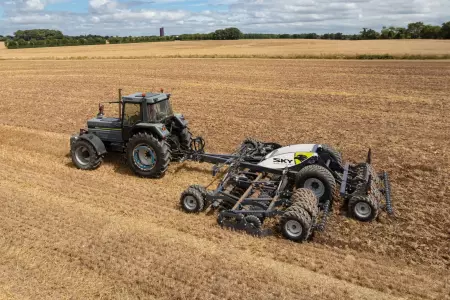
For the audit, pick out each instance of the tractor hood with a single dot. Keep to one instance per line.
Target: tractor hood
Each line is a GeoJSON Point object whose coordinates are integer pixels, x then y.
{"type": "Point", "coordinates": [289, 156]}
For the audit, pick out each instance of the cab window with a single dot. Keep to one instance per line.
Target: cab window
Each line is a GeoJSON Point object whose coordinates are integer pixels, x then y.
{"type": "Point", "coordinates": [131, 113]}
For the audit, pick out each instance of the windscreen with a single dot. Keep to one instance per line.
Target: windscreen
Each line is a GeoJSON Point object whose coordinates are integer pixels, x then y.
{"type": "Point", "coordinates": [159, 111]}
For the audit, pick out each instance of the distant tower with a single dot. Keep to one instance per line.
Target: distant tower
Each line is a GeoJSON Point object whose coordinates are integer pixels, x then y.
{"type": "Point", "coordinates": [161, 31]}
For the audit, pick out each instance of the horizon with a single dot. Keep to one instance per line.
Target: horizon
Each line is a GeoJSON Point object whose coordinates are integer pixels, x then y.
{"type": "Point", "coordinates": [144, 18]}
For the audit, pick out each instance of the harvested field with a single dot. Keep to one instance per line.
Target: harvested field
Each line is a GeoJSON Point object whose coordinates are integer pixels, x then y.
{"type": "Point", "coordinates": [241, 48]}
{"type": "Point", "coordinates": [66, 233]}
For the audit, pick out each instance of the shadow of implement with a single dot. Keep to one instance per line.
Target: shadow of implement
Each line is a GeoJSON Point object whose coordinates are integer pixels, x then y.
{"type": "Point", "coordinates": [177, 167]}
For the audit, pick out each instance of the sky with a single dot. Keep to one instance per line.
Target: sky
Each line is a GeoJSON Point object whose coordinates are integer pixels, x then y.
{"type": "Point", "coordinates": [145, 17]}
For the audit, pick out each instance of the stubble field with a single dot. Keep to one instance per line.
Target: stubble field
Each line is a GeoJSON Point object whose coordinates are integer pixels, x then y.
{"type": "Point", "coordinates": [65, 233]}
{"type": "Point", "coordinates": [282, 48]}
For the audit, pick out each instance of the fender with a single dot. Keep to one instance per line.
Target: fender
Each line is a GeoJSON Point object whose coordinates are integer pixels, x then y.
{"type": "Point", "coordinates": [91, 138]}
{"type": "Point", "coordinates": [158, 130]}
{"type": "Point", "coordinates": [181, 121]}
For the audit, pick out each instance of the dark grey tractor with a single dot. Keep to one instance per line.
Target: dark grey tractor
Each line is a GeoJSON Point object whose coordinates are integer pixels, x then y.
{"type": "Point", "coordinates": [147, 131]}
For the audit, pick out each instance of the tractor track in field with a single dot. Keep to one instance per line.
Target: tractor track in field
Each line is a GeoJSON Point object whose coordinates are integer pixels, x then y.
{"type": "Point", "coordinates": [108, 234]}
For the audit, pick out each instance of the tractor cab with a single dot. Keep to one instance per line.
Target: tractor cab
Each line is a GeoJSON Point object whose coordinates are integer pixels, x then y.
{"type": "Point", "coordinates": [150, 110]}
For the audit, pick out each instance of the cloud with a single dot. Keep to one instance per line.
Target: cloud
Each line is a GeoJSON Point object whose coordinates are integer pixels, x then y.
{"type": "Point", "coordinates": [144, 17]}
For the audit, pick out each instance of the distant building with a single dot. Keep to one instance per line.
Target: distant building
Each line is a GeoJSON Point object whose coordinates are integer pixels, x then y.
{"type": "Point", "coordinates": [161, 31]}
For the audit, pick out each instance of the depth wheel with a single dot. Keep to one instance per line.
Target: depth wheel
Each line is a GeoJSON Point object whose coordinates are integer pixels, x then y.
{"type": "Point", "coordinates": [363, 208]}
{"type": "Point", "coordinates": [192, 200]}
{"type": "Point", "coordinates": [296, 224]}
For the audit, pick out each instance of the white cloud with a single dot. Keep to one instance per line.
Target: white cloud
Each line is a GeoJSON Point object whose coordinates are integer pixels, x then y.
{"type": "Point", "coordinates": [273, 16]}
{"type": "Point", "coordinates": [34, 4]}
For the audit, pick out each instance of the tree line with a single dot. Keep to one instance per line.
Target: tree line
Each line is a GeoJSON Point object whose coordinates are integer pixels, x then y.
{"type": "Point", "coordinates": [36, 38]}
{"type": "Point", "coordinates": [54, 38]}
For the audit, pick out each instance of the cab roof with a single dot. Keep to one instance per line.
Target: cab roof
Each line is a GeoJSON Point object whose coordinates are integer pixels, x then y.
{"type": "Point", "coordinates": [148, 97]}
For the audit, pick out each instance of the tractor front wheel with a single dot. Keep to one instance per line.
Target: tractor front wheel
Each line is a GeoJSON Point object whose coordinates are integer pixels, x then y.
{"type": "Point", "coordinates": [147, 156]}
{"type": "Point", "coordinates": [84, 155]}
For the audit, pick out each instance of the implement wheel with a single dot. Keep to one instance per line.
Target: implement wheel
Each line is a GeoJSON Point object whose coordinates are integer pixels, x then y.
{"type": "Point", "coordinates": [363, 208]}
{"type": "Point", "coordinates": [192, 200]}
{"type": "Point", "coordinates": [333, 153]}
{"type": "Point", "coordinates": [296, 224]}
{"type": "Point", "coordinates": [318, 179]}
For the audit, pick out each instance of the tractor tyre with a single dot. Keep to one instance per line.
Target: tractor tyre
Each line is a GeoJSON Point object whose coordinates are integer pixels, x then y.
{"type": "Point", "coordinates": [318, 179]}
{"type": "Point", "coordinates": [147, 156]}
{"type": "Point", "coordinates": [253, 221]}
{"type": "Point", "coordinates": [192, 200]}
{"type": "Point", "coordinates": [185, 138]}
{"type": "Point", "coordinates": [333, 153]}
{"type": "Point", "coordinates": [363, 208]}
{"type": "Point", "coordinates": [84, 155]}
{"type": "Point", "coordinates": [296, 224]}
{"type": "Point", "coordinates": [307, 200]}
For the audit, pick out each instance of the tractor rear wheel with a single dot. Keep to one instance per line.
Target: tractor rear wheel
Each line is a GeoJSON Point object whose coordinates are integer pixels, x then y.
{"type": "Point", "coordinates": [318, 179]}
{"type": "Point", "coordinates": [185, 139]}
{"type": "Point", "coordinates": [147, 156]}
{"type": "Point", "coordinates": [84, 155]}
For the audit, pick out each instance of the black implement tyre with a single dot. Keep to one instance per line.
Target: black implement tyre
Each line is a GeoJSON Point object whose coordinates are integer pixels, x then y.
{"type": "Point", "coordinates": [307, 200]}
{"type": "Point", "coordinates": [363, 208]}
{"type": "Point", "coordinates": [333, 153]}
{"type": "Point", "coordinates": [296, 225]}
{"type": "Point", "coordinates": [192, 200]}
{"type": "Point", "coordinates": [318, 179]}
{"type": "Point", "coordinates": [253, 221]}
{"type": "Point", "coordinates": [147, 156]}
{"type": "Point", "coordinates": [84, 155]}
{"type": "Point", "coordinates": [251, 146]}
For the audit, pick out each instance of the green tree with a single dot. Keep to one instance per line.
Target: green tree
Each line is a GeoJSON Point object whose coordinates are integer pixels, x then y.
{"type": "Point", "coordinates": [339, 36]}
{"type": "Point", "coordinates": [415, 29]}
{"type": "Point", "coordinates": [369, 34]}
{"type": "Point", "coordinates": [231, 33]}
{"type": "Point", "coordinates": [431, 32]}
{"type": "Point", "coordinates": [445, 30]}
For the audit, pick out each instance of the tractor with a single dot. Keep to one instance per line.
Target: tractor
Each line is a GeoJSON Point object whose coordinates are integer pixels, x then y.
{"type": "Point", "coordinates": [146, 130]}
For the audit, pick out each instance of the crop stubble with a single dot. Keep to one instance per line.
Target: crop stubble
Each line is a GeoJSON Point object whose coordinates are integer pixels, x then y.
{"type": "Point", "coordinates": [281, 48]}
{"type": "Point", "coordinates": [109, 234]}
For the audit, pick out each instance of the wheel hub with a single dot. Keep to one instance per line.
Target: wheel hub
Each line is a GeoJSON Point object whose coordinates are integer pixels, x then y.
{"type": "Point", "coordinates": [293, 228]}
{"type": "Point", "coordinates": [144, 157]}
{"type": "Point", "coordinates": [316, 186]}
{"type": "Point", "coordinates": [363, 210]}
{"type": "Point", "coordinates": [189, 202]}
{"type": "Point", "coordinates": [82, 155]}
